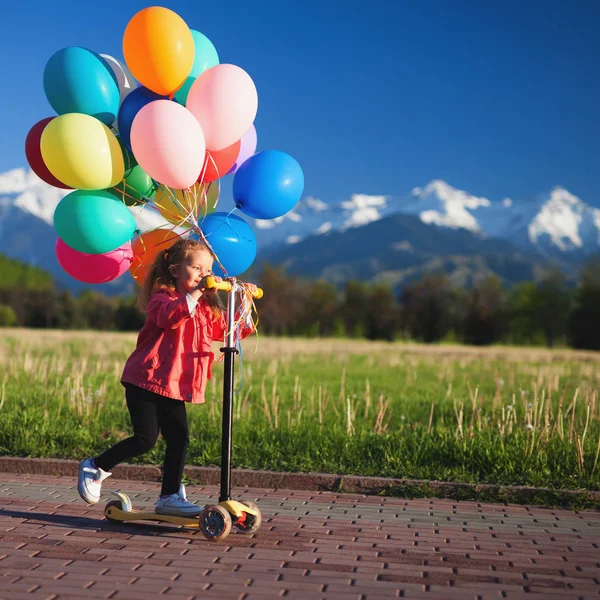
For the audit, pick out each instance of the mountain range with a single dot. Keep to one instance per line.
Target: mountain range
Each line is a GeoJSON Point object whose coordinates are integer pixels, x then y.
{"type": "Point", "coordinates": [375, 238]}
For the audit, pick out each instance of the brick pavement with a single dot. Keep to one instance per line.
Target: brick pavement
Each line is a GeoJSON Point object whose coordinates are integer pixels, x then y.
{"type": "Point", "coordinates": [311, 545]}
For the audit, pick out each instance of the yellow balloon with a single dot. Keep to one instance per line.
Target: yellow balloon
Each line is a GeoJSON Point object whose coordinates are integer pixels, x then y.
{"type": "Point", "coordinates": [177, 206]}
{"type": "Point", "coordinates": [82, 152]}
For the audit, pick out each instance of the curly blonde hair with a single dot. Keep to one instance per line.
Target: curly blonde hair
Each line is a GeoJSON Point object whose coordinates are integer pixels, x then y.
{"type": "Point", "coordinates": [160, 276]}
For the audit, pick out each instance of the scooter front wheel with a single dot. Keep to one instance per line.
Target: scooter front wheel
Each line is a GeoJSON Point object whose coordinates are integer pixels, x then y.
{"type": "Point", "coordinates": [215, 523]}
{"type": "Point", "coordinates": [250, 523]}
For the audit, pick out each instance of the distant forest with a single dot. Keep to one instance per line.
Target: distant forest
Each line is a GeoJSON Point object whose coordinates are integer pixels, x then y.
{"type": "Point", "coordinates": [546, 312]}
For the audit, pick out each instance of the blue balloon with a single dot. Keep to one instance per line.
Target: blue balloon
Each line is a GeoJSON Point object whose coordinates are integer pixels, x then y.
{"type": "Point", "coordinates": [77, 80]}
{"type": "Point", "coordinates": [232, 240]}
{"type": "Point", "coordinates": [131, 107]}
{"type": "Point", "coordinates": [268, 185]}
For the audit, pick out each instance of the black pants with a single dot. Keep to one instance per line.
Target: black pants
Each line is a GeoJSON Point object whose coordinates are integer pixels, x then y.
{"type": "Point", "coordinates": [151, 413]}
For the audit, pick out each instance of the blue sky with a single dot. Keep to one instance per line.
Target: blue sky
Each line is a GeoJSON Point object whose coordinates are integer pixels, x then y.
{"type": "Point", "coordinates": [500, 99]}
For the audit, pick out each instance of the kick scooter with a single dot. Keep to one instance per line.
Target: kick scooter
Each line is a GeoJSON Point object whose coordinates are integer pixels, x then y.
{"type": "Point", "coordinates": [215, 521]}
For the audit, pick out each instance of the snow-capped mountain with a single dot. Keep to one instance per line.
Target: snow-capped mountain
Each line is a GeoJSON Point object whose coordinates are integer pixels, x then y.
{"type": "Point", "coordinates": [27, 232]}
{"type": "Point", "coordinates": [23, 189]}
{"type": "Point", "coordinates": [556, 223]}
{"type": "Point", "coordinates": [315, 217]}
{"type": "Point", "coordinates": [566, 222]}
{"type": "Point", "coordinates": [438, 203]}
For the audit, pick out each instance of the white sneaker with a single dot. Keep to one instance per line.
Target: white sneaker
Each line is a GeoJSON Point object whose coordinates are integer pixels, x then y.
{"type": "Point", "coordinates": [89, 482]}
{"type": "Point", "coordinates": [176, 505]}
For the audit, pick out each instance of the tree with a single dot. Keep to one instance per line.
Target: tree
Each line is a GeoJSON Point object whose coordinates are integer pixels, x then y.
{"type": "Point", "coordinates": [282, 301]}
{"type": "Point", "coordinates": [383, 316]}
{"type": "Point", "coordinates": [67, 314]}
{"type": "Point", "coordinates": [485, 322]}
{"type": "Point", "coordinates": [97, 310]}
{"type": "Point", "coordinates": [15, 274]}
{"type": "Point", "coordinates": [8, 318]}
{"type": "Point", "coordinates": [128, 317]}
{"type": "Point", "coordinates": [584, 323]}
{"type": "Point", "coordinates": [552, 302]}
{"type": "Point", "coordinates": [520, 308]}
{"type": "Point", "coordinates": [353, 309]}
{"type": "Point", "coordinates": [319, 309]}
{"type": "Point", "coordinates": [426, 313]}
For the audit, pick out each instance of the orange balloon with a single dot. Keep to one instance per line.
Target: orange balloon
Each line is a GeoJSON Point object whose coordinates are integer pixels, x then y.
{"type": "Point", "coordinates": [219, 162]}
{"type": "Point", "coordinates": [146, 248]}
{"type": "Point", "coordinates": [159, 49]}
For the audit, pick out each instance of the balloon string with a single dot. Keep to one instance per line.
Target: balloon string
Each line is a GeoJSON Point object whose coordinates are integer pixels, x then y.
{"type": "Point", "coordinates": [188, 213]}
{"type": "Point", "coordinates": [189, 218]}
{"type": "Point", "coordinates": [145, 249]}
{"type": "Point", "coordinates": [204, 169]}
{"type": "Point", "coordinates": [201, 235]}
{"type": "Point", "coordinates": [248, 313]}
{"type": "Point", "coordinates": [247, 309]}
{"type": "Point", "coordinates": [181, 213]}
{"type": "Point", "coordinates": [122, 193]}
{"type": "Point", "coordinates": [208, 190]}
{"type": "Point", "coordinates": [129, 163]}
{"type": "Point", "coordinates": [214, 164]}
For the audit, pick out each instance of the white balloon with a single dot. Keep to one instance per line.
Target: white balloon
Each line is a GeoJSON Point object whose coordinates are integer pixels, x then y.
{"type": "Point", "coordinates": [126, 81]}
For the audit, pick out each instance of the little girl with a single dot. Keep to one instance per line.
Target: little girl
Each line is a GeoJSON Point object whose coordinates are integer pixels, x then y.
{"type": "Point", "coordinates": [169, 367]}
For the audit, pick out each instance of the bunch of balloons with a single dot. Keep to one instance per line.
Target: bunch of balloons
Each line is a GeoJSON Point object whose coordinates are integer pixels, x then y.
{"type": "Point", "coordinates": [158, 131]}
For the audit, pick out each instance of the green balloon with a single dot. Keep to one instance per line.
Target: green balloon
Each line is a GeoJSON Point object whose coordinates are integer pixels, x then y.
{"type": "Point", "coordinates": [94, 222]}
{"type": "Point", "coordinates": [138, 186]}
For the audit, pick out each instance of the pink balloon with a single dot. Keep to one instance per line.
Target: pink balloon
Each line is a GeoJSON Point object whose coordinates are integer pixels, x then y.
{"type": "Point", "coordinates": [225, 101]}
{"type": "Point", "coordinates": [247, 148]}
{"type": "Point", "coordinates": [168, 143]}
{"type": "Point", "coordinates": [94, 268]}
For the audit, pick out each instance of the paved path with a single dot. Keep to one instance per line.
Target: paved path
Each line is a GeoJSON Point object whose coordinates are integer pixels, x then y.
{"type": "Point", "coordinates": [311, 545]}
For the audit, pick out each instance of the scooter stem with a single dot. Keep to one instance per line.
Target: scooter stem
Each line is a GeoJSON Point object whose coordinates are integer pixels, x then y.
{"type": "Point", "coordinates": [228, 381]}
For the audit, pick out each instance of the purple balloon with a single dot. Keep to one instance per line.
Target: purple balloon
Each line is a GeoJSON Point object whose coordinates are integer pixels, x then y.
{"type": "Point", "coordinates": [247, 149]}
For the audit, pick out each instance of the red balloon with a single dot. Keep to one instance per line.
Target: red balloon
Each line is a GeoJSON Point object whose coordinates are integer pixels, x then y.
{"type": "Point", "coordinates": [219, 162]}
{"type": "Point", "coordinates": [34, 154]}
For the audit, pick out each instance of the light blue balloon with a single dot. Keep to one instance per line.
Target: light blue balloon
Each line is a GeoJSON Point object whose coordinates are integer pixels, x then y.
{"type": "Point", "coordinates": [94, 222]}
{"type": "Point", "coordinates": [205, 57]}
{"type": "Point", "coordinates": [232, 240]}
{"type": "Point", "coordinates": [79, 80]}
{"type": "Point", "coordinates": [268, 185]}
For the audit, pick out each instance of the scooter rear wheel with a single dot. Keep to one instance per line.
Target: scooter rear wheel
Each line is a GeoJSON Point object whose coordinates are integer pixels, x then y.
{"type": "Point", "coordinates": [107, 510]}
{"type": "Point", "coordinates": [215, 523]}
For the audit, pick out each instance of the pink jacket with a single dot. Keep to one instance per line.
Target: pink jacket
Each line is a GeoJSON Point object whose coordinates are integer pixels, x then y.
{"type": "Point", "coordinates": [173, 355]}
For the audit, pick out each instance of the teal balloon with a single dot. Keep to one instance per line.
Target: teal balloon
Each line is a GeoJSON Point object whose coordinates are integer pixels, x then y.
{"type": "Point", "coordinates": [77, 80]}
{"type": "Point", "coordinates": [94, 222]}
{"type": "Point", "coordinates": [205, 57]}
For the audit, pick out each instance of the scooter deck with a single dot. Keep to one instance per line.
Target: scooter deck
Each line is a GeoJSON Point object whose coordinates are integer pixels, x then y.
{"type": "Point", "coordinates": [116, 514]}
{"type": "Point", "coordinates": [122, 511]}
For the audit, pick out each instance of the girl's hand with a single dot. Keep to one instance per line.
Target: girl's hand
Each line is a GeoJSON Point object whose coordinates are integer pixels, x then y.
{"type": "Point", "coordinates": [202, 284]}
{"type": "Point", "coordinates": [252, 288]}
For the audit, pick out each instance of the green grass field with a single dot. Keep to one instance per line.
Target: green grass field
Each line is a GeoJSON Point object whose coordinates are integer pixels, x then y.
{"type": "Point", "coordinates": [495, 415]}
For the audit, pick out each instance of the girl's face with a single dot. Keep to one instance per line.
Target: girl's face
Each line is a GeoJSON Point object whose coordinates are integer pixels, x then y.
{"type": "Point", "coordinates": [190, 272]}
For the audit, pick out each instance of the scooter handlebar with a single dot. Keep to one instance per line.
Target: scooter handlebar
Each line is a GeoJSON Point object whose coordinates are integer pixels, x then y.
{"type": "Point", "coordinates": [226, 286]}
